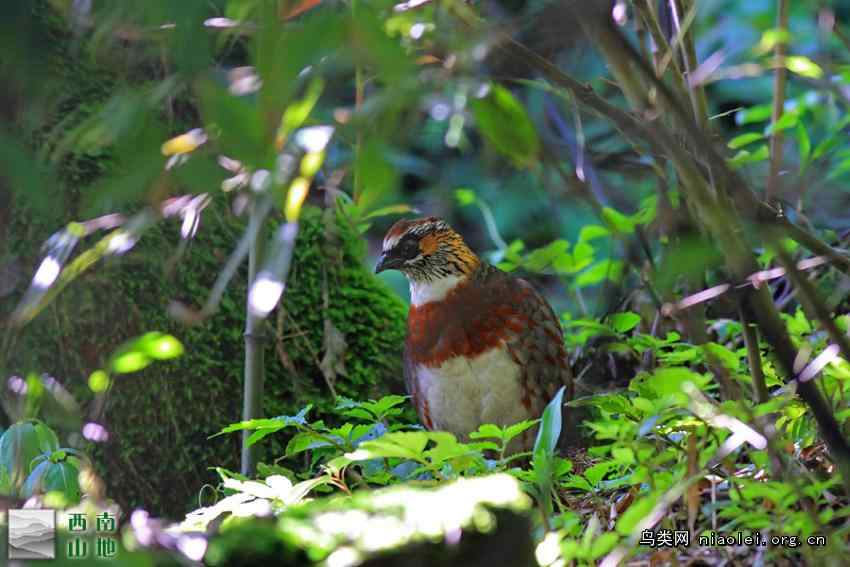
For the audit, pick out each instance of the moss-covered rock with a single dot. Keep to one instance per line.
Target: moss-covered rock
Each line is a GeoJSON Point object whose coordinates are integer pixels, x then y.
{"type": "Point", "coordinates": [160, 419]}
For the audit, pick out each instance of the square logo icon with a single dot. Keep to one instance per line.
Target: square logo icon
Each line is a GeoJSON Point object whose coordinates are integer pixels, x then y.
{"type": "Point", "coordinates": [32, 534]}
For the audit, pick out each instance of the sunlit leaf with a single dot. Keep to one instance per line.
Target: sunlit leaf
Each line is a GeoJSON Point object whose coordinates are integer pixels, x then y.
{"type": "Point", "coordinates": [786, 121]}
{"type": "Point", "coordinates": [624, 322]}
{"type": "Point", "coordinates": [550, 425]}
{"type": "Point", "coordinates": [131, 361]}
{"type": "Point", "coordinates": [184, 143]}
{"type": "Point", "coordinates": [160, 346]}
{"type": "Point", "coordinates": [98, 381]}
{"type": "Point", "coordinates": [754, 114]}
{"type": "Point", "coordinates": [465, 197]}
{"type": "Point", "coordinates": [803, 66]}
{"type": "Point", "coordinates": [744, 140]}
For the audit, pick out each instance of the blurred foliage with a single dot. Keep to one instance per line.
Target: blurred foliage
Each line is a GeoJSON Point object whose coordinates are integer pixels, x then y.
{"type": "Point", "coordinates": [171, 408]}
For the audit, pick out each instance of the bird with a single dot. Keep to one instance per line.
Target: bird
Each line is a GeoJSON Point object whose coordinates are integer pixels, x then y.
{"type": "Point", "coordinates": [482, 346]}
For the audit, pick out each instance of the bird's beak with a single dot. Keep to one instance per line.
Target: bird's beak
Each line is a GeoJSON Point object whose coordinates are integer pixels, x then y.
{"type": "Point", "coordinates": [386, 262]}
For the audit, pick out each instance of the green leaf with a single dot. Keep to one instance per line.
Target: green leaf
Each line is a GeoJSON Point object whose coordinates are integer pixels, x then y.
{"type": "Point", "coordinates": [786, 121]}
{"type": "Point", "coordinates": [297, 112]}
{"type": "Point", "coordinates": [598, 272]}
{"type": "Point", "coordinates": [518, 428]}
{"type": "Point", "coordinates": [727, 358]}
{"type": "Point", "coordinates": [541, 258]}
{"type": "Point", "coordinates": [376, 174]}
{"type": "Point", "coordinates": [803, 66]}
{"type": "Point", "coordinates": [401, 444]}
{"type": "Point", "coordinates": [634, 514]}
{"type": "Point", "coordinates": [505, 124]}
{"type": "Point", "coordinates": [274, 423]}
{"type": "Point", "coordinates": [603, 544]}
{"type": "Point", "coordinates": [644, 405]}
{"type": "Point", "coordinates": [465, 197]}
{"type": "Point", "coordinates": [623, 455]}
{"type": "Point", "coordinates": [624, 322]}
{"type": "Point", "coordinates": [754, 114]}
{"type": "Point", "coordinates": [666, 381]}
{"type": "Point", "coordinates": [130, 361]}
{"type": "Point", "coordinates": [597, 472]}
{"type": "Point", "coordinates": [550, 425]}
{"type": "Point", "coordinates": [399, 209]}
{"type": "Point", "coordinates": [618, 220]}
{"type": "Point", "coordinates": [744, 140]}
{"type": "Point", "coordinates": [805, 146]}
{"type": "Point", "coordinates": [236, 124]}
{"type": "Point", "coordinates": [488, 431]}
{"type": "Point", "coordinates": [159, 346]}
{"type": "Point", "coordinates": [591, 232]}
{"type": "Point", "coordinates": [744, 157]}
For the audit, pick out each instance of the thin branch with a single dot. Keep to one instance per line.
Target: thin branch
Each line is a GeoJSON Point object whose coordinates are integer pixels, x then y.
{"type": "Point", "coordinates": [751, 341]}
{"type": "Point", "coordinates": [779, 77]}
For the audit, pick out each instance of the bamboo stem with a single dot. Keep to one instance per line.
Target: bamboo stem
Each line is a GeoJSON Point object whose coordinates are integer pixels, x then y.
{"type": "Point", "coordinates": [779, 76]}
{"type": "Point", "coordinates": [252, 404]}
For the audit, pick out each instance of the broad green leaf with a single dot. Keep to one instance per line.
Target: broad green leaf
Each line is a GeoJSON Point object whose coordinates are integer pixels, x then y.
{"type": "Point", "coordinates": [159, 346]}
{"type": "Point", "coordinates": [377, 176]}
{"type": "Point", "coordinates": [591, 232]}
{"type": "Point", "coordinates": [541, 258]}
{"type": "Point", "coordinates": [618, 220]}
{"type": "Point", "coordinates": [505, 124]}
{"type": "Point", "coordinates": [634, 514]}
{"type": "Point", "coordinates": [771, 38]}
{"type": "Point", "coordinates": [624, 322]}
{"type": "Point", "coordinates": [447, 448]}
{"type": "Point", "coordinates": [596, 273]}
{"type": "Point", "coordinates": [803, 66]}
{"type": "Point", "coordinates": [297, 112]}
{"type": "Point", "coordinates": [786, 121]}
{"type": "Point", "coordinates": [130, 361]}
{"type": "Point", "coordinates": [744, 139]}
{"type": "Point", "coordinates": [603, 544]}
{"type": "Point", "coordinates": [550, 425]}
{"type": "Point", "coordinates": [401, 444]}
{"type": "Point", "coordinates": [518, 428]}
{"type": "Point", "coordinates": [487, 431]}
{"type": "Point", "coordinates": [666, 381]}
{"type": "Point", "coordinates": [236, 125]}
{"type": "Point", "coordinates": [754, 114]}
{"type": "Point", "coordinates": [597, 472]}
{"type": "Point", "coordinates": [729, 359]}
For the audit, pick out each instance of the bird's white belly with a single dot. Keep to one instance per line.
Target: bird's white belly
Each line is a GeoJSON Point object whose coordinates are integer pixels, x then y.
{"type": "Point", "coordinates": [464, 393]}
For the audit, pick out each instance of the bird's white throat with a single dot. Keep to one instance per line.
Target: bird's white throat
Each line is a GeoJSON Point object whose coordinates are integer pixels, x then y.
{"type": "Point", "coordinates": [435, 290]}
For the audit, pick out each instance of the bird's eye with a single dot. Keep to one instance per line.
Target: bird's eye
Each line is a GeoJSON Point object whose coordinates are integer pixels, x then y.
{"type": "Point", "coordinates": [409, 249]}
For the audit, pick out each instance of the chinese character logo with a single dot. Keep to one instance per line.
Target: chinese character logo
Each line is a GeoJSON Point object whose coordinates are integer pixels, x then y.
{"type": "Point", "coordinates": [77, 522]}
{"type": "Point", "coordinates": [106, 522]}
{"type": "Point", "coordinates": [77, 547]}
{"type": "Point", "coordinates": [32, 534]}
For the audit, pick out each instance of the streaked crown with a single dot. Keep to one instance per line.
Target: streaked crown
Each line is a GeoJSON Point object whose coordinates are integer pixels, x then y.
{"type": "Point", "coordinates": [426, 249]}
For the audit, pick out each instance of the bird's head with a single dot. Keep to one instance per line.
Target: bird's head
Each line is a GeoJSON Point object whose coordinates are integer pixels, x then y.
{"type": "Point", "coordinates": [426, 250]}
